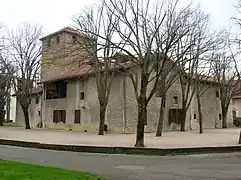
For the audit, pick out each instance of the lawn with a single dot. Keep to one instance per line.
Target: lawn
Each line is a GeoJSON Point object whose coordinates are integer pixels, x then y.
{"type": "Point", "coordinates": [18, 171]}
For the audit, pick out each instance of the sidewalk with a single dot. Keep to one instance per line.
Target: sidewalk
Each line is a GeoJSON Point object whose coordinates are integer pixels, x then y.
{"type": "Point", "coordinates": [210, 138]}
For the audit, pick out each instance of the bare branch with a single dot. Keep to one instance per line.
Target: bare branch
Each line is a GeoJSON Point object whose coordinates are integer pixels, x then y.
{"type": "Point", "coordinates": [22, 52]}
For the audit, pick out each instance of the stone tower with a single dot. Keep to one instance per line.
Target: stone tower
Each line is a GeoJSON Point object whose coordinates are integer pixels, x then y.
{"type": "Point", "coordinates": [62, 51]}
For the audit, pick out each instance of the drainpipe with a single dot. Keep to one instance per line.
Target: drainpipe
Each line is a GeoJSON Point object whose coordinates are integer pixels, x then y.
{"type": "Point", "coordinates": [191, 114]}
{"type": "Point", "coordinates": [8, 101]}
{"type": "Point", "coordinates": [41, 108]}
{"type": "Point", "coordinates": [124, 106]}
{"type": "Point", "coordinates": [216, 110]}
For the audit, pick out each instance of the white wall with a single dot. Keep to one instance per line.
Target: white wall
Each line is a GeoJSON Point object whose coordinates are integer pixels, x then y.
{"type": "Point", "coordinates": [13, 104]}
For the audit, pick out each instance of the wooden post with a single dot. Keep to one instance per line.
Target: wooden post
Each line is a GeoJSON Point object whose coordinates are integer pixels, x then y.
{"type": "Point", "coordinates": [239, 141]}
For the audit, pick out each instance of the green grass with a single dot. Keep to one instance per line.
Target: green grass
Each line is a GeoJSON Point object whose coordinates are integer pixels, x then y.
{"type": "Point", "coordinates": [18, 171]}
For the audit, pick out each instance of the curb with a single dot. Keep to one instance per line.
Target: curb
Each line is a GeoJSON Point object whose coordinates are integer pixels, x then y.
{"type": "Point", "coordinates": [122, 150]}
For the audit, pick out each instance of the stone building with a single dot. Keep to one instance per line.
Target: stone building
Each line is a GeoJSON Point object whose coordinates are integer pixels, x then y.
{"type": "Point", "coordinates": [69, 97]}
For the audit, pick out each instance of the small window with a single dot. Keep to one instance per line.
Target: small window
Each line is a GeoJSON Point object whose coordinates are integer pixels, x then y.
{"type": "Point", "coordinates": [158, 92]}
{"type": "Point", "coordinates": [194, 116]}
{"type": "Point", "coordinates": [37, 100]}
{"type": "Point", "coordinates": [217, 94]}
{"type": "Point", "coordinates": [220, 117]}
{"type": "Point", "coordinates": [49, 43]}
{"type": "Point", "coordinates": [57, 39]}
{"type": "Point", "coordinates": [74, 38]}
{"type": "Point", "coordinates": [82, 96]}
{"type": "Point", "coordinates": [175, 100]}
{"type": "Point", "coordinates": [39, 113]}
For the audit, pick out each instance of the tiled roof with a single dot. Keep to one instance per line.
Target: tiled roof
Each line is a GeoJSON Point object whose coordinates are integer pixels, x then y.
{"type": "Point", "coordinates": [66, 29]}
{"type": "Point", "coordinates": [36, 90]}
{"type": "Point", "coordinates": [237, 92]}
{"type": "Point", "coordinates": [67, 74]}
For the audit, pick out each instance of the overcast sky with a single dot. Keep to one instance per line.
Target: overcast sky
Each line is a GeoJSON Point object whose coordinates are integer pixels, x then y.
{"type": "Point", "coordinates": [55, 14]}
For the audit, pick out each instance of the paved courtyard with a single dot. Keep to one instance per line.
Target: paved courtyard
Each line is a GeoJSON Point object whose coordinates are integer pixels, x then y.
{"type": "Point", "coordinates": [211, 137]}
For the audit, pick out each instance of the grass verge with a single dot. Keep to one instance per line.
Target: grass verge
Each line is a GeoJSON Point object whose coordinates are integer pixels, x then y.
{"type": "Point", "coordinates": [19, 171]}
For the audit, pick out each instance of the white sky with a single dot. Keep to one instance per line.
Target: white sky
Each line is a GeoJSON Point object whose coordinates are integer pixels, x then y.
{"type": "Point", "coordinates": [55, 14]}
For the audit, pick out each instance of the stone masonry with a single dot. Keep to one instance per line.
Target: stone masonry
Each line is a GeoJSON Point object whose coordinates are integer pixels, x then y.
{"type": "Point", "coordinates": [63, 60]}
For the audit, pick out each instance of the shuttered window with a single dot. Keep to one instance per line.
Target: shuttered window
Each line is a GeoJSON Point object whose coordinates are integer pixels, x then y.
{"type": "Point", "coordinates": [77, 116]}
{"type": "Point", "coordinates": [59, 116]}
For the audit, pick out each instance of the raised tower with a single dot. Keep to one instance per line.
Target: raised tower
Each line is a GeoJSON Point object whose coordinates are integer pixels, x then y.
{"type": "Point", "coordinates": [62, 52]}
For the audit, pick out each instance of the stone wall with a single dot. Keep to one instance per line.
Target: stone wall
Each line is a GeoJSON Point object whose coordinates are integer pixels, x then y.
{"type": "Point", "coordinates": [34, 112]}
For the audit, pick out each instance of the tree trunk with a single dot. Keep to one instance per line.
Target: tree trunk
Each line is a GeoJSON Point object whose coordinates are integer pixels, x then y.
{"type": "Point", "coordinates": [200, 116]}
{"type": "Point", "coordinates": [142, 111]}
{"type": "Point", "coordinates": [224, 117]}
{"type": "Point", "coordinates": [161, 117]}
{"type": "Point", "coordinates": [26, 117]}
{"type": "Point", "coordinates": [124, 106]}
{"type": "Point", "coordinates": [8, 101]}
{"type": "Point", "coordinates": [2, 115]}
{"type": "Point", "coordinates": [140, 126]}
{"type": "Point", "coordinates": [183, 119]}
{"type": "Point", "coordinates": [102, 119]}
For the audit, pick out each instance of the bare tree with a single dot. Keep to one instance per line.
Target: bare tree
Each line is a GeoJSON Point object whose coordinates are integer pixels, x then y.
{"type": "Point", "coordinates": [3, 93]}
{"type": "Point", "coordinates": [207, 43]}
{"type": "Point", "coordinates": [203, 43]}
{"type": "Point", "coordinates": [23, 50]}
{"type": "Point", "coordinates": [176, 30]}
{"type": "Point", "coordinates": [148, 42]}
{"type": "Point", "coordinates": [203, 80]}
{"type": "Point", "coordinates": [5, 82]}
{"type": "Point", "coordinates": [98, 26]}
{"type": "Point", "coordinates": [234, 41]}
{"type": "Point", "coordinates": [227, 78]}
{"type": "Point", "coordinates": [238, 19]}
{"type": "Point", "coordinates": [1, 38]}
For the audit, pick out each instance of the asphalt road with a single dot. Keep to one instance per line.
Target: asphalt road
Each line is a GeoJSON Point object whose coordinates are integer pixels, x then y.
{"type": "Point", "coordinates": [126, 167]}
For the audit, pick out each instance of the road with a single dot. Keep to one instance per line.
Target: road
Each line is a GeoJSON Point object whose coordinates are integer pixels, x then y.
{"type": "Point", "coordinates": [128, 167]}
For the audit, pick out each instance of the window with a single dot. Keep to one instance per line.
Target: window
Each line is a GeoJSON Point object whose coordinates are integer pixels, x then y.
{"type": "Point", "coordinates": [220, 117]}
{"type": "Point", "coordinates": [77, 116]}
{"type": "Point", "coordinates": [20, 84]}
{"type": "Point", "coordinates": [194, 116]}
{"type": "Point", "coordinates": [82, 96]}
{"type": "Point", "coordinates": [217, 94]}
{"type": "Point", "coordinates": [49, 43]}
{"type": "Point", "coordinates": [57, 39]}
{"type": "Point", "coordinates": [59, 116]}
{"type": "Point", "coordinates": [158, 92]}
{"type": "Point", "coordinates": [56, 90]}
{"type": "Point", "coordinates": [74, 38]}
{"type": "Point", "coordinates": [175, 100]}
{"type": "Point", "coordinates": [39, 113]}
{"type": "Point", "coordinates": [37, 100]}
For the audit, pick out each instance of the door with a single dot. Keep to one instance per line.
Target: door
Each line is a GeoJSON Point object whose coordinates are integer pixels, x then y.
{"type": "Point", "coordinates": [63, 116]}
{"type": "Point", "coordinates": [175, 116]}
{"type": "Point", "coordinates": [55, 116]}
{"type": "Point", "coordinates": [77, 116]}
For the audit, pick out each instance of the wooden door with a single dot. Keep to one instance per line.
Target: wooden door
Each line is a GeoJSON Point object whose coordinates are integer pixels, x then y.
{"type": "Point", "coordinates": [63, 116]}
{"type": "Point", "coordinates": [77, 116]}
{"type": "Point", "coordinates": [55, 116]}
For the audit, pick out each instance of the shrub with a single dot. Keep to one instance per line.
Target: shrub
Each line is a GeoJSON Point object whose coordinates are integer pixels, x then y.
{"type": "Point", "coordinates": [237, 122]}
